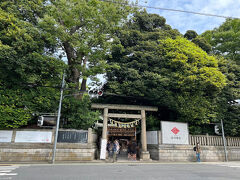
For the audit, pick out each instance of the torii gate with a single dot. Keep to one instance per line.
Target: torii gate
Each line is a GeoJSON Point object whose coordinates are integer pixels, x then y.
{"type": "Point", "coordinates": [144, 153]}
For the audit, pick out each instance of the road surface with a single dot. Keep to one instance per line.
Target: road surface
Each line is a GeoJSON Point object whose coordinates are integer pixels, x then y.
{"type": "Point", "coordinates": [122, 171]}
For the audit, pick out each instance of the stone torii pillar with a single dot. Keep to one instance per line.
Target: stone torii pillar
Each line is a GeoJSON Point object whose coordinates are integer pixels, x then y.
{"type": "Point", "coordinates": [105, 123]}
{"type": "Point", "coordinates": [144, 154]}
{"type": "Point", "coordinates": [104, 134]}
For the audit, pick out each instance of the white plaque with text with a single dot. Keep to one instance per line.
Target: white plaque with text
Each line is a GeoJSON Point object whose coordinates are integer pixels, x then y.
{"type": "Point", "coordinates": [6, 136]}
{"type": "Point", "coordinates": [174, 132]}
{"type": "Point", "coordinates": [33, 137]}
{"type": "Point", "coordinates": [103, 149]}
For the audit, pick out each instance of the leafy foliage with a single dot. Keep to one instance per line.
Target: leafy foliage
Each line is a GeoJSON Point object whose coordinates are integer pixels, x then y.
{"type": "Point", "coordinates": [148, 62]}
{"type": "Point", "coordinates": [225, 39]}
{"type": "Point", "coordinates": [78, 114]}
{"type": "Point", "coordinates": [22, 55]}
{"type": "Point", "coordinates": [28, 11]}
{"type": "Point", "coordinates": [202, 43]}
{"type": "Point", "coordinates": [25, 70]}
{"type": "Point", "coordinates": [198, 40]}
{"type": "Point", "coordinates": [226, 108]}
{"type": "Point", "coordinates": [83, 31]}
{"type": "Point", "coordinates": [232, 121]}
{"type": "Point", "coordinates": [190, 34]}
{"type": "Point", "coordinates": [157, 64]}
{"type": "Point", "coordinates": [12, 111]}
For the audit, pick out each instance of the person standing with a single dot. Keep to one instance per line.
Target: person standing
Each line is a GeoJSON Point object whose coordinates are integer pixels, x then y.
{"type": "Point", "coordinates": [109, 149]}
{"type": "Point", "coordinates": [198, 151]}
{"type": "Point", "coordinates": [134, 150]}
{"type": "Point", "coordinates": [129, 146]}
{"type": "Point", "coordinates": [116, 148]}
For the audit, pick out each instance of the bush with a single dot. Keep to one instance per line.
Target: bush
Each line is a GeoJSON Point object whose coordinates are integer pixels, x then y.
{"type": "Point", "coordinates": [13, 117]}
{"type": "Point", "coordinates": [78, 113]}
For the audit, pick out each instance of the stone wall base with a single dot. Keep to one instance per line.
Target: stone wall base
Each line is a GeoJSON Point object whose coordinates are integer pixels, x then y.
{"type": "Point", "coordinates": [64, 152]}
{"type": "Point", "coordinates": [181, 153]}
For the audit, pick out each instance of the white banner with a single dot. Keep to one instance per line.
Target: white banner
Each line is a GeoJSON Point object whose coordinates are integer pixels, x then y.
{"type": "Point", "coordinates": [33, 137]}
{"type": "Point", "coordinates": [6, 136]}
{"type": "Point", "coordinates": [174, 132]}
{"type": "Point", "coordinates": [152, 137]}
{"type": "Point", "coordinates": [103, 149]}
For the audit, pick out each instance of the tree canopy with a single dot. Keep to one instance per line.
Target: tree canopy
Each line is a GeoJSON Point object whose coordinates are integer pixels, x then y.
{"type": "Point", "coordinates": [83, 31]}
{"type": "Point", "coordinates": [157, 64]}
{"type": "Point", "coordinates": [225, 39]}
{"type": "Point", "coordinates": [34, 35]}
{"type": "Point", "coordinates": [25, 68]}
{"type": "Point", "coordinates": [225, 43]}
{"type": "Point", "coordinates": [198, 40]}
{"type": "Point", "coordinates": [191, 78]}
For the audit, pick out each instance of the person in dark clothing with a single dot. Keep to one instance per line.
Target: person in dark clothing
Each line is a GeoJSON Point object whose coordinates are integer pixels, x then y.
{"type": "Point", "coordinates": [129, 149]}
{"type": "Point", "coordinates": [132, 150]}
{"type": "Point", "coordinates": [109, 149]}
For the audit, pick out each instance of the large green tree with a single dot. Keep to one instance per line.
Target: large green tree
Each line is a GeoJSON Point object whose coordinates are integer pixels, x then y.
{"type": "Point", "coordinates": [227, 108]}
{"type": "Point", "coordinates": [83, 31]}
{"type": "Point", "coordinates": [154, 62]}
{"type": "Point", "coordinates": [25, 68]}
{"type": "Point", "coordinates": [225, 39]}
{"type": "Point", "coordinates": [22, 54]}
{"type": "Point", "coordinates": [225, 42]}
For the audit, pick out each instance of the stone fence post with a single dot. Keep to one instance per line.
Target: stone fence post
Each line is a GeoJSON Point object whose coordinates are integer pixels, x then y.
{"type": "Point", "coordinates": [90, 136]}
{"type": "Point", "coordinates": [159, 137]}
{"type": "Point", "coordinates": [13, 136]}
{"type": "Point", "coordinates": [207, 137]}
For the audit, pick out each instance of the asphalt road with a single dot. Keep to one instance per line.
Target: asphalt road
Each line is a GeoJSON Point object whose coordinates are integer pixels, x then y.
{"type": "Point", "coordinates": [119, 171]}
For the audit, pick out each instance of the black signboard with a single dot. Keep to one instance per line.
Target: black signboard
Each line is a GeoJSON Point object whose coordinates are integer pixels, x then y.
{"type": "Point", "coordinates": [72, 137]}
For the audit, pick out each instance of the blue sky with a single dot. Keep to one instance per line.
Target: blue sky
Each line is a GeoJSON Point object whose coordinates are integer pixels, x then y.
{"type": "Point", "coordinates": [185, 21]}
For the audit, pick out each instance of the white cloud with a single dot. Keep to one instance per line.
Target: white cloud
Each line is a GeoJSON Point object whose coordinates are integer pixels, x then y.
{"type": "Point", "coordinates": [186, 21]}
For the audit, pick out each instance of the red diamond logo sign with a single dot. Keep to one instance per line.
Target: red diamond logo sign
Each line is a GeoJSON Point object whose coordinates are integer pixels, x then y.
{"type": "Point", "coordinates": [175, 130]}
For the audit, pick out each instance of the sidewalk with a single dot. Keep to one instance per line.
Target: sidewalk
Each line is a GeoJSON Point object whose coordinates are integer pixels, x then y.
{"type": "Point", "coordinates": [99, 162]}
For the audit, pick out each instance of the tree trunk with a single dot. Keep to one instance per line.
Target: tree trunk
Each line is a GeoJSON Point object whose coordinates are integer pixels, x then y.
{"type": "Point", "coordinates": [73, 62]}
{"type": "Point", "coordinates": [84, 80]}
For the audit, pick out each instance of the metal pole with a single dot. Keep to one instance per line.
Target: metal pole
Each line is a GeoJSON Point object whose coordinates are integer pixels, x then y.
{"type": "Point", "coordinates": [224, 142]}
{"type": "Point", "coordinates": [58, 119]}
